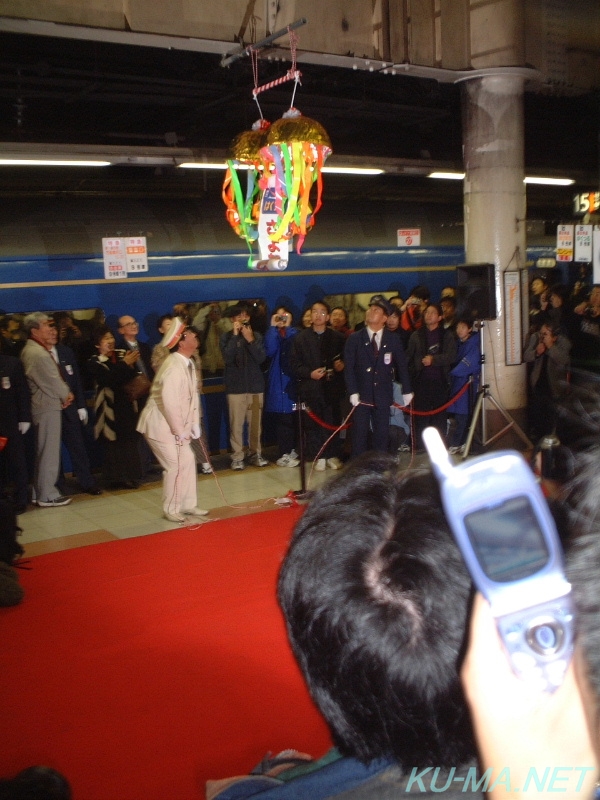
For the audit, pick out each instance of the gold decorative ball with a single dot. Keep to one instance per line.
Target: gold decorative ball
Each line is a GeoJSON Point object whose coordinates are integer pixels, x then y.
{"type": "Point", "coordinates": [298, 129]}
{"type": "Point", "coordinates": [246, 146]}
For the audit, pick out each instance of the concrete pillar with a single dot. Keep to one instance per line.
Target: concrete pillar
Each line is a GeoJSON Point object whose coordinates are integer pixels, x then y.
{"type": "Point", "coordinates": [495, 209]}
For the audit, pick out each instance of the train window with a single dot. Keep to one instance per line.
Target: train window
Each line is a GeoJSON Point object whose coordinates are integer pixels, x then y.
{"type": "Point", "coordinates": [355, 305]}
{"type": "Point", "coordinates": [75, 329]}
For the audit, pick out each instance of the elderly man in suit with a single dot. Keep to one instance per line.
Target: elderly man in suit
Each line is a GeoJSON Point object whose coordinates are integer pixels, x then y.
{"type": "Point", "coordinates": [15, 421]}
{"type": "Point", "coordinates": [171, 419]}
{"type": "Point", "coordinates": [49, 395]}
{"type": "Point", "coordinates": [374, 359]}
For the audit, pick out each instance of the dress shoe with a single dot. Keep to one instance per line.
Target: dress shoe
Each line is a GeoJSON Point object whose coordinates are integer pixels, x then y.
{"type": "Point", "coordinates": [196, 512]}
{"type": "Point", "coordinates": [125, 485]}
{"type": "Point", "coordinates": [174, 517]}
{"type": "Point", "coordinates": [57, 501]}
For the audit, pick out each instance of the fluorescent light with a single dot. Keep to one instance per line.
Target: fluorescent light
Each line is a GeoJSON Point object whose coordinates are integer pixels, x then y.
{"type": "Point", "coordinates": [449, 176]}
{"type": "Point", "coordinates": [459, 176]}
{"type": "Point", "coordinates": [206, 165]}
{"type": "Point", "coordinates": [45, 162]}
{"type": "Point", "coordinates": [353, 170]}
{"type": "Point", "coordinates": [338, 170]}
{"type": "Point", "coordinates": [550, 181]}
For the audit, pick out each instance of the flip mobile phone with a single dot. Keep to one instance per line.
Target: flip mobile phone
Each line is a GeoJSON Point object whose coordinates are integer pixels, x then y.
{"type": "Point", "coordinates": [508, 539]}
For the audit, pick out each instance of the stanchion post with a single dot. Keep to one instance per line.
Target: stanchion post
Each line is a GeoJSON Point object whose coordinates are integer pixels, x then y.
{"type": "Point", "coordinates": [300, 408]}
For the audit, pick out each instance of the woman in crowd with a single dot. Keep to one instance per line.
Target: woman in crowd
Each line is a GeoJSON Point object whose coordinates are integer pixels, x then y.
{"type": "Point", "coordinates": [116, 413]}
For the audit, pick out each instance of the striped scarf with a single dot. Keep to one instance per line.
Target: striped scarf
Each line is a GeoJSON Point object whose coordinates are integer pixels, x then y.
{"type": "Point", "coordinates": [104, 408]}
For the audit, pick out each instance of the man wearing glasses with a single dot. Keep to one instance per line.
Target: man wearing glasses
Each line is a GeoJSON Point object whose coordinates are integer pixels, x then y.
{"type": "Point", "coordinates": [129, 329]}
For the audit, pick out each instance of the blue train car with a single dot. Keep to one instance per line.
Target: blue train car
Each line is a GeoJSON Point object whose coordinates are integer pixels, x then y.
{"type": "Point", "coordinates": [60, 282]}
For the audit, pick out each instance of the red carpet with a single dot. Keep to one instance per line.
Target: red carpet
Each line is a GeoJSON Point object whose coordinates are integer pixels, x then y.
{"type": "Point", "coordinates": [142, 667]}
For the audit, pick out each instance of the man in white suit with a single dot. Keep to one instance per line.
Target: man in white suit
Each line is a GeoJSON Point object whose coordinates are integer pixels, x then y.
{"type": "Point", "coordinates": [170, 420]}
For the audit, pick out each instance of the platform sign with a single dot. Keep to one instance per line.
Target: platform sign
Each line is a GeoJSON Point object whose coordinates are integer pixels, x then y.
{"type": "Point", "coordinates": [115, 260]}
{"type": "Point", "coordinates": [136, 253]}
{"type": "Point", "coordinates": [564, 242]}
{"type": "Point", "coordinates": [583, 243]}
{"type": "Point", "coordinates": [409, 237]}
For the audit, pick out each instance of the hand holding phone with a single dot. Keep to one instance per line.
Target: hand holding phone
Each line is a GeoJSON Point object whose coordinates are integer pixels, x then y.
{"type": "Point", "coordinates": [510, 545]}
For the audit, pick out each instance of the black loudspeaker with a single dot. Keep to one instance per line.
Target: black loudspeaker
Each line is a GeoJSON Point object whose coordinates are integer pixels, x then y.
{"type": "Point", "coordinates": [476, 291]}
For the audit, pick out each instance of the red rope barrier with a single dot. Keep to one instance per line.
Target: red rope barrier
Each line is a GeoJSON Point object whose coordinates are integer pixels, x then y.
{"type": "Point", "coordinates": [406, 409]}
{"type": "Point", "coordinates": [324, 424]}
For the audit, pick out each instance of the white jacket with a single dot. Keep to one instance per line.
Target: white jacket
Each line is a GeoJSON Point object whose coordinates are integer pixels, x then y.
{"type": "Point", "coordinates": [173, 406]}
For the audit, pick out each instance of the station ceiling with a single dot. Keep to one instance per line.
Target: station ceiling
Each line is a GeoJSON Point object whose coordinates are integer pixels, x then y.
{"type": "Point", "coordinates": [65, 91]}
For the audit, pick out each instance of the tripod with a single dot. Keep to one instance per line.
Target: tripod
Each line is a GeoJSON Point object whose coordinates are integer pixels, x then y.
{"type": "Point", "coordinates": [479, 411]}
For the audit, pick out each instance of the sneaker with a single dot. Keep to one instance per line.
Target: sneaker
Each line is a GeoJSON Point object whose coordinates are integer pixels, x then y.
{"type": "Point", "coordinates": [288, 460]}
{"type": "Point", "coordinates": [404, 448]}
{"type": "Point", "coordinates": [334, 463]}
{"type": "Point", "coordinates": [321, 465]}
{"type": "Point", "coordinates": [206, 469]}
{"type": "Point", "coordinates": [258, 461]}
{"type": "Point", "coordinates": [454, 450]}
{"type": "Point", "coordinates": [238, 465]}
{"type": "Point", "coordinates": [58, 501]}
{"type": "Point", "coordinates": [294, 456]}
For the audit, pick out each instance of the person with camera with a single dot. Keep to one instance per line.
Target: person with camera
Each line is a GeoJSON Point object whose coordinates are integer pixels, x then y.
{"type": "Point", "coordinates": [281, 390]}
{"type": "Point", "coordinates": [116, 414]}
{"type": "Point", "coordinates": [243, 353]}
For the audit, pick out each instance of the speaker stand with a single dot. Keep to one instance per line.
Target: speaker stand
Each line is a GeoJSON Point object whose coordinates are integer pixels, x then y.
{"type": "Point", "coordinates": [484, 395]}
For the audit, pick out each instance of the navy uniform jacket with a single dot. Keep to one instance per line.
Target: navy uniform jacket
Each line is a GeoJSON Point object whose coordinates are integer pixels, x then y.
{"type": "Point", "coordinates": [70, 374]}
{"type": "Point", "coordinates": [371, 378]}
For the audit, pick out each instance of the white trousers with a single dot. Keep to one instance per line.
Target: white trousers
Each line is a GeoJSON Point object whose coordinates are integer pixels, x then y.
{"type": "Point", "coordinates": [179, 475]}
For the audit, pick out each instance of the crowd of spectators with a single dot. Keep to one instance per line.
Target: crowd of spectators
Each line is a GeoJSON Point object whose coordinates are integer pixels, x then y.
{"type": "Point", "coordinates": [101, 377]}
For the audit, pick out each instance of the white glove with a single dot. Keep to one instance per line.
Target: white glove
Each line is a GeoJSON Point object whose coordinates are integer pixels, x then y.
{"type": "Point", "coordinates": [354, 399]}
{"type": "Point", "coordinates": [195, 431]}
{"type": "Point", "coordinates": [24, 426]}
{"type": "Point", "coordinates": [407, 398]}
{"type": "Point", "coordinates": [83, 415]}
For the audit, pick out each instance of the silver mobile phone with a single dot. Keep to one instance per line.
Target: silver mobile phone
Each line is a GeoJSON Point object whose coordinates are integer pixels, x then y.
{"type": "Point", "coordinates": [508, 539]}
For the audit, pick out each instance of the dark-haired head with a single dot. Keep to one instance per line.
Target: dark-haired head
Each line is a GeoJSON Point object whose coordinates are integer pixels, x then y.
{"type": "Point", "coordinates": [375, 596]}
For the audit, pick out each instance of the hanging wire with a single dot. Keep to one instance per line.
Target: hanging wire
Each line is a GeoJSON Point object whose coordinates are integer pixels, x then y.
{"type": "Point", "coordinates": [293, 51]}
{"type": "Point", "coordinates": [253, 53]}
